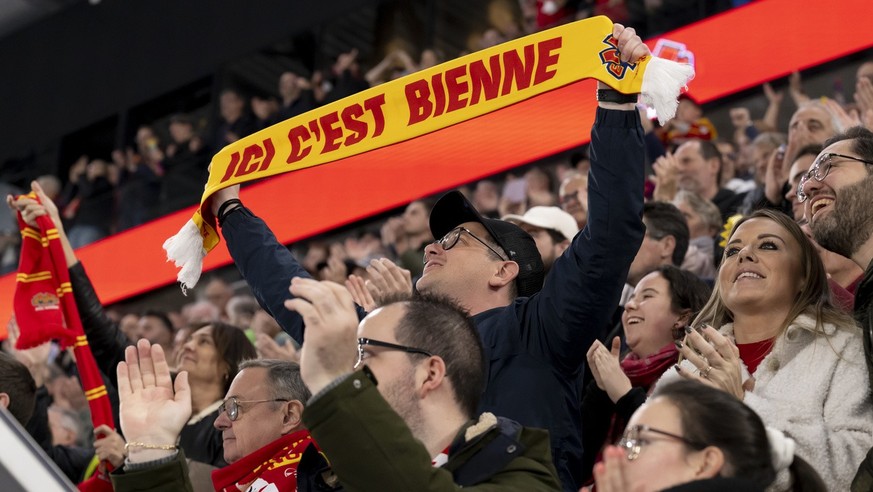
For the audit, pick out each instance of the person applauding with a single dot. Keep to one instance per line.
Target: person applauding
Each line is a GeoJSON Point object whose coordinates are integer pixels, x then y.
{"type": "Point", "coordinates": [783, 348]}
{"type": "Point", "coordinates": [662, 304]}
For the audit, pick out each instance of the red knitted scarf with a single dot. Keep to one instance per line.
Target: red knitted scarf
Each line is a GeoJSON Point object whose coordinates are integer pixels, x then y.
{"type": "Point", "coordinates": [644, 372]}
{"type": "Point", "coordinates": [46, 310]}
{"type": "Point", "coordinates": [274, 464]}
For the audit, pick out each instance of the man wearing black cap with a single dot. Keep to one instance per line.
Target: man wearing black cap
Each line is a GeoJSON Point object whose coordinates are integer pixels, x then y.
{"type": "Point", "coordinates": [534, 333]}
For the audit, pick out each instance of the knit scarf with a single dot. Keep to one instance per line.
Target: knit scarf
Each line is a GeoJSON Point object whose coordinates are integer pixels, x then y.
{"type": "Point", "coordinates": [46, 310]}
{"type": "Point", "coordinates": [424, 102]}
{"type": "Point", "coordinates": [643, 372]}
{"type": "Point", "coordinates": [272, 465]}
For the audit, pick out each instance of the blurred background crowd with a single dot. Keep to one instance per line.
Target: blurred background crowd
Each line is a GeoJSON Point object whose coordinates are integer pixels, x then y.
{"type": "Point", "coordinates": [709, 163]}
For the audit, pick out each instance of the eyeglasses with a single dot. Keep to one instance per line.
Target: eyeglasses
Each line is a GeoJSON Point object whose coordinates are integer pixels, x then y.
{"type": "Point", "coordinates": [451, 239]}
{"type": "Point", "coordinates": [232, 406]}
{"type": "Point", "coordinates": [820, 169]}
{"type": "Point", "coordinates": [632, 443]}
{"type": "Point", "coordinates": [391, 346]}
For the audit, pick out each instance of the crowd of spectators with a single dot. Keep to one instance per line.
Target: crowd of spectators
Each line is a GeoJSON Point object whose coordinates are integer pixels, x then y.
{"type": "Point", "coordinates": [162, 168]}
{"type": "Point", "coordinates": [723, 210]}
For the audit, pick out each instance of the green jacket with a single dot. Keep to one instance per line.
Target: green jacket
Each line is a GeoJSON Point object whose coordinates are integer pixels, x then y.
{"type": "Point", "coordinates": [371, 448]}
{"type": "Point", "coordinates": [864, 315]}
{"type": "Point", "coordinates": [171, 475]}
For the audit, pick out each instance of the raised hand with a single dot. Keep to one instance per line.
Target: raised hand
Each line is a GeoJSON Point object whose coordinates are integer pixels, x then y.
{"type": "Point", "coordinates": [269, 349]}
{"type": "Point", "coordinates": [774, 175]}
{"type": "Point", "coordinates": [606, 368]}
{"type": "Point", "coordinates": [153, 410]}
{"type": "Point", "coordinates": [358, 289]}
{"type": "Point", "coordinates": [344, 61]}
{"type": "Point", "coordinates": [772, 95]}
{"type": "Point", "coordinates": [336, 270]}
{"type": "Point", "coordinates": [717, 360]}
{"type": "Point", "coordinates": [609, 475]}
{"type": "Point", "coordinates": [31, 209]}
{"type": "Point", "coordinates": [771, 116]}
{"type": "Point", "coordinates": [391, 233]}
{"type": "Point", "coordinates": [795, 88]}
{"type": "Point", "coordinates": [108, 445]}
{"type": "Point", "coordinates": [387, 280]}
{"type": "Point", "coordinates": [666, 177]}
{"type": "Point", "coordinates": [631, 46]}
{"type": "Point", "coordinates": [331, 321]}
{"type": "Point", "coordinates": [864, 94]}
{"type": "Point", "coordinates": [845, 120]}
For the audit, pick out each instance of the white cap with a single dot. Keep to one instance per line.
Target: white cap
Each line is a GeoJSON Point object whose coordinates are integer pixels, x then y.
{"type": "Point", "coordinates": [548, 218]}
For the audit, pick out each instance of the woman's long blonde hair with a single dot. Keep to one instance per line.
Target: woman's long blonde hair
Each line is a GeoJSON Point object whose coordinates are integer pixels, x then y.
{"type": "Point", "coordinates": [814, 299]}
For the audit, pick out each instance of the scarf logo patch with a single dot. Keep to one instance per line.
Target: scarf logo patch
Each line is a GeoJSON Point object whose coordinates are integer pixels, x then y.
{"type": "Point", "coordinates": [44, 301]}
{"type": "Point", "coordinates": [611, 58]}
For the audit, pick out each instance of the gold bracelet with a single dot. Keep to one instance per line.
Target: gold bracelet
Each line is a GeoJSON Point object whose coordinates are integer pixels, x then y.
{"type": "Point", "coordinates": [166, 447]}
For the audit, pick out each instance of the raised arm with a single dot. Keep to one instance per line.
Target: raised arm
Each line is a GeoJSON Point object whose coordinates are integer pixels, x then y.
{"type": "Point", "coordinates": [154, 410]}
{"type": "Point", "coordinates": [106, 340]}
{"type": "Point", "coordinates": [265, 264]}
{"type": "Point", "coordinates": [369, 445]}
{"type": "Point", "coordinates": [583, 288]}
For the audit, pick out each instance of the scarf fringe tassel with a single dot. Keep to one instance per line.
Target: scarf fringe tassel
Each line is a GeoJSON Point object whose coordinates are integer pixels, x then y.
{"type": "Point", "coordinates": [186, 251]}
{"type": "Point", "coordinates": [662, 82]}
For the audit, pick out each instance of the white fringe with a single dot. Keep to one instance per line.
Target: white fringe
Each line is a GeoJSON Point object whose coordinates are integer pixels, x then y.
{"type": "Point", "coordinates": [662, 81]}
{"type": "Point", "coordinates": [185, 250]}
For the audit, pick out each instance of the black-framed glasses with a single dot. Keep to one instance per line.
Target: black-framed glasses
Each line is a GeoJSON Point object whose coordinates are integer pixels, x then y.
{"type": "Point", "coordinates": [820, 169]}
{"type": "Point", "coordinates": [387, 345]}
{"type": "Point", "coordinates": [233, 404]}
{"type": "Point", "coordinates": [632, 442]}
{"type": "Point", "coordinates": [451, 239]}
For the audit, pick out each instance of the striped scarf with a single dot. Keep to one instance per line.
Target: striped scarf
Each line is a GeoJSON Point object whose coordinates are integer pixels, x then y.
{"type": "Point", "coordinates": [45, 310]}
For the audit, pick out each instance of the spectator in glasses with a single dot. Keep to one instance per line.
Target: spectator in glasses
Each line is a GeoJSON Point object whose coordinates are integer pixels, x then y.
{"type": "Point", "coordinates": [404, 415]}
{"type": "Point", "coordinates": [260, 421]}
{"type": "Point", "coordinates": [531, 329]}
{"type": "Point", "coordinates": [689, 437]}
{"type": "Point", "coordinates": [664, 302]}
{"type": "Point", "coordinates": [776, 320]}
{"type": "Point", "coordinates": [837, 195]}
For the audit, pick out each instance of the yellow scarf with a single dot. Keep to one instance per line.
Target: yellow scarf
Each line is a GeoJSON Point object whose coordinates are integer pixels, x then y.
{"type": "Point", "coordinates": [423, 102]}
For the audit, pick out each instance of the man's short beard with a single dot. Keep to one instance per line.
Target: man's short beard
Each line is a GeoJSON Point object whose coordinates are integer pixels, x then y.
{"type": "Point", "coordinates": [850, 224]}
{"type": "Point", "coordinates": [400, 394]}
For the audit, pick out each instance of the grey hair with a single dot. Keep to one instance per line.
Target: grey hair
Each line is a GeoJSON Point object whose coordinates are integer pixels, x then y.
{"type": "Point", "coordinates": [835, 122]}
{"type": "Point", "coordinates": [707, 210]}
{"type": "Point", "coordinates": [770, 140]}
{"type": "Point", "coordinates": [283, 378]}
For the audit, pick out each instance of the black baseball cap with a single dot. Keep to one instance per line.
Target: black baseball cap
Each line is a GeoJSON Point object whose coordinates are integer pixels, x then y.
{"type": "Point", "coordinates": [453, 209]}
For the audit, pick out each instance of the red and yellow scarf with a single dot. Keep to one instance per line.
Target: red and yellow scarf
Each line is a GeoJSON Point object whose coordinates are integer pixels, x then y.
{"type": "Point", "coordinates": [274, 464]}
{"type": "Point", "coordinates": [425, 102]}
{"type": "Point", "coordinates": [46, 310]}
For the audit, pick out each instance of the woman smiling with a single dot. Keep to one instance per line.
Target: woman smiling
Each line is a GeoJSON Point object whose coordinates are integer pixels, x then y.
{"type": "Point", "coordinates": [783, 348]}
{"type": "Point", "coordinates": [662, 303]}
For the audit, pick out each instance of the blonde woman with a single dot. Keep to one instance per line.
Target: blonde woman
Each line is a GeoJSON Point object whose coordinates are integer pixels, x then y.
{"type": "Point", "coordinates": [783, 348]}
